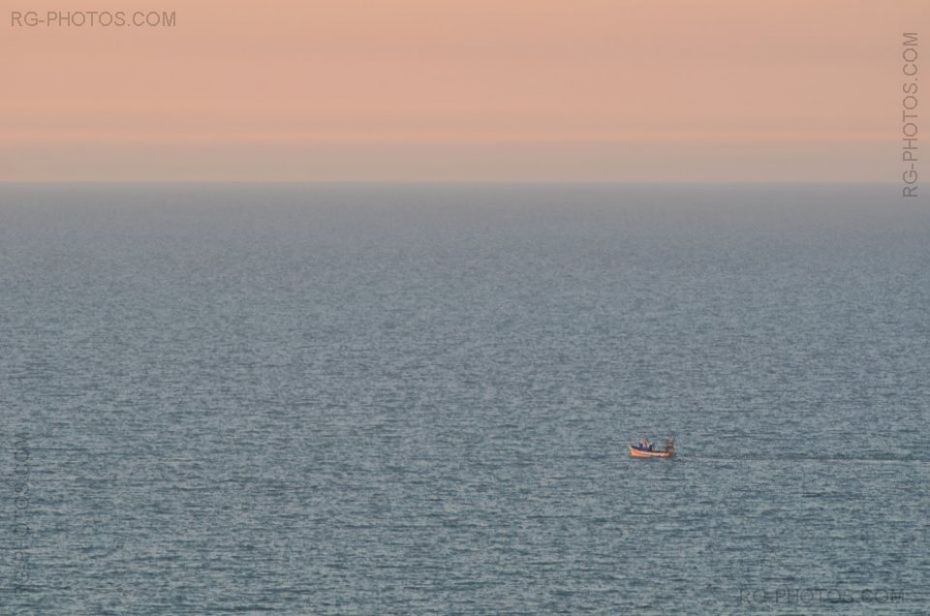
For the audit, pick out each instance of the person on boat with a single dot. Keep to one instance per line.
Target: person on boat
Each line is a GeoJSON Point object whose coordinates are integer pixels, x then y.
{"type": "Point", "coordinates": [645, 444]}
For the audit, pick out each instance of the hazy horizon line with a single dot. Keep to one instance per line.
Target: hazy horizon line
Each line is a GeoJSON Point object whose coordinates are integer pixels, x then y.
{"type": "Point", "coordinates": [462, 182]}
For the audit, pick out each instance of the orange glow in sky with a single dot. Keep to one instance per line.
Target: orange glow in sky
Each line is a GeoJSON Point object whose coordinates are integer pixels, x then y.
{"type": "Point", "coordinates": [461, 90]}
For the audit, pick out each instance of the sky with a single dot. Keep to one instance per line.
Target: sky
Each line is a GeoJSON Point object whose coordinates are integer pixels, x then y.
{"type": "Point", "coordinates": [456, 90]}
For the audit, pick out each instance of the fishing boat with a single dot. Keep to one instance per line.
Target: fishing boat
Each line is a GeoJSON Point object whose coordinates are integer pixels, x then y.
{"type": "Point", "coordinates": [642, 451]}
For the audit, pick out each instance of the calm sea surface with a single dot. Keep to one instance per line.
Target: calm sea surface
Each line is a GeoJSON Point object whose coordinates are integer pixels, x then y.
{"type": "Point", "coordinates": [417, 399]}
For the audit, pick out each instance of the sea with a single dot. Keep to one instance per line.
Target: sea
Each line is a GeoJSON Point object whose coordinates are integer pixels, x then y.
{"type": "Point", "coordinates": [418, 399]}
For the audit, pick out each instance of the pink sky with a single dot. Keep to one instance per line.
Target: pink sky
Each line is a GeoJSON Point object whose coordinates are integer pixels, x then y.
{"type": "Point", "coordinates": [640, 90]}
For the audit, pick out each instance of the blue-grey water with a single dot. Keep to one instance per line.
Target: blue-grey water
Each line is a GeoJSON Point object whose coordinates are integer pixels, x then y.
{"type": "Point", "coordinates": [417, 399]}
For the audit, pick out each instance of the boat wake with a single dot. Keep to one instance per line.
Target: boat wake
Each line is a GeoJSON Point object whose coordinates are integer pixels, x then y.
{"type": "Point", "coordinates": [796, 458]}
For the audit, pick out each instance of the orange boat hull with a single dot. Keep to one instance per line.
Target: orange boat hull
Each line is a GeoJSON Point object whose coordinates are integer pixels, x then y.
{"type": "Point", "coordinates": [639, 453]}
